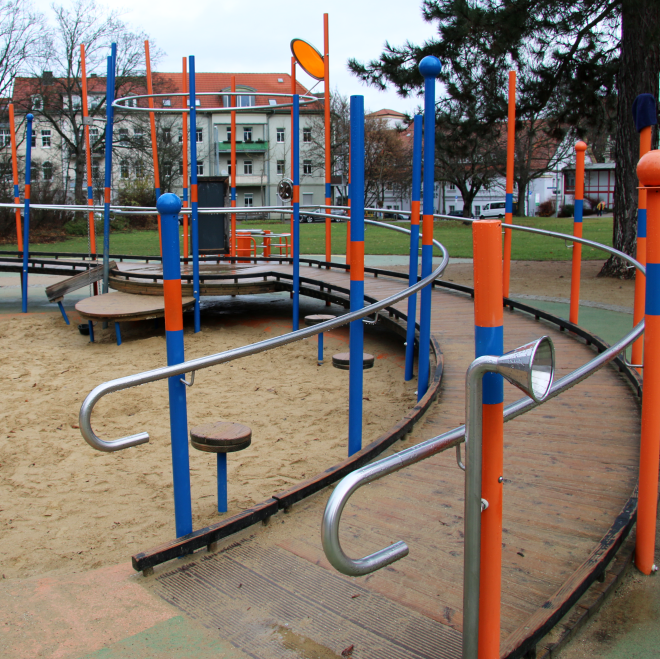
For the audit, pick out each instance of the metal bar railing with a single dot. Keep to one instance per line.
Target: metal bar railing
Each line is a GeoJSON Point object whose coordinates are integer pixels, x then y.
{"type": "Point", "coordinates": [220, 358]}
{"type": "Point", "coordinates": [346, 487]}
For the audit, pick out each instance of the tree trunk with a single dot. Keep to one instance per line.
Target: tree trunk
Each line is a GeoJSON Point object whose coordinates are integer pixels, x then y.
{"type": "Point", "coordinates": [638, 74]}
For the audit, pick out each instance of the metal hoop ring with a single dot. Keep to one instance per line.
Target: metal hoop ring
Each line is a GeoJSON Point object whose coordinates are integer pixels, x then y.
{"type": "Point", "coordinates": [305, 99]}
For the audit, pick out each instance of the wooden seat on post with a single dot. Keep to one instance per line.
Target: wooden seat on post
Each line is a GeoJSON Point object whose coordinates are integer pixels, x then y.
{"type": "Point", "coordinates": [221, 437]}
{"type": "Point", "coordinates": [315, 320]}
{"type": "Point", "coordinates": [342, 360]}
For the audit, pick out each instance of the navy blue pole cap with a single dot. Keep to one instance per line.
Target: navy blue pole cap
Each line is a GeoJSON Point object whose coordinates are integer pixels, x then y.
{"type": "Point", "coordinates": [168, 204]}
{"type": "Point", "coordinates": [645, 111]}
{"type": "Point", "coordinates": [430, 67]}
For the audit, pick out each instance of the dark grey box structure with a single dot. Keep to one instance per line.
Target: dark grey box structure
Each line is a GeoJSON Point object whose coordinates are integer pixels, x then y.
{"type": "Point", "coordinates": [213, 228]}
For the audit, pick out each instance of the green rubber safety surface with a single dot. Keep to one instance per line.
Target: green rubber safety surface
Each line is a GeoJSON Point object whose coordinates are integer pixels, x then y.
{"type": "Point", "coordinates": [176, 638]}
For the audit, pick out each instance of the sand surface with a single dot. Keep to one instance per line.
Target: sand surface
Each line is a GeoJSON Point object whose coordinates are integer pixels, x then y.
{"type": "Point", "coordinates": [67, 507]}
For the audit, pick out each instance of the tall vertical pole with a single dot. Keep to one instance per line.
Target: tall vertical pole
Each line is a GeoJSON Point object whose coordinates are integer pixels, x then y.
{"type": "Point", "coordinates": [430, 68]}
{"type": "Point", "coordinates": [648, 172]}
{"type": "Point", "coordinates": [489, 340]}
{"type": "Point", "coordinates": [107, 192]}
{"type": "Point", "coordinates": [14, 170]}
{"type": "Point", "coordinates": [328, 138]}
{"type": "Point", "coordinates": [169, 206]}
{"type": "Point", "coordinates": [26, 213]}
{"type": "Point", "coordinates": [645, 116]}
{"type": "Point", "coordinates": [193, 190]}
{"type": "Point", "coordinates": [574, 311]}
{"type": "Point", "coordinates": [510, 155]}
{"type": "Point", "coordinates": [295, 145]}
{"type": "Point", "coordinates": [348, 215]}
{"type": "Point", "coordinates": [154, 135]}
{"type": "Point", "coordinates": [88, 157]}
{"type": "Point", "coordinates": [184, 149]}
{"type": "Point", "coordinates": [414, 243]}
{"type": "Point", "coordinates": [234, 103]}
{"type": "Point", "coordinates": [293, 157]}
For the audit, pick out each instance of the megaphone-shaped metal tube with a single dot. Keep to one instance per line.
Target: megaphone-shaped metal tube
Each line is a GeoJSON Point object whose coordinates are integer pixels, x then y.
{"type": "Point", "coordinates": [531, 369]}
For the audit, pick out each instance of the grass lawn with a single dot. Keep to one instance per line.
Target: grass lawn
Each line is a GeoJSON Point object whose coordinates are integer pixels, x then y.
{"type": "Point", "coordinates": [456, 236]}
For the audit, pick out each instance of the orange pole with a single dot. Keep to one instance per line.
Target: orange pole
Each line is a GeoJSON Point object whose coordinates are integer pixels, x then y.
{"type": "Point", "coordinates": [154, 141]}
{"type": "Point", "coordinates": [573, 314]}
{"type": "Point", "coordinates": [293, 91]}
{"type": "Point", "coordinates": [640, 280]}
{"type": "Point", "coordinates": [14, 169]}
{"type": "Point", "coordinates": [88, 150]}
{"type": "Point", "coordinates": [184, 149]}
{"type": "Point", "coordinates": [234, 99]}
{"type": "Point", "coordinates": [328, 142]}
{"type": "Point", "coordinates": [648, 172]}
{"type": "Point", "coordinates": [488, 320]}
{"type": "Point", "coordinates": [510, 155]}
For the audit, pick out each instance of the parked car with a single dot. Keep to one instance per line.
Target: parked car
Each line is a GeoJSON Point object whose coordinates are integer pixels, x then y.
{"type": "Point", "coordinates": [395, 216]}
{"type": "Point", "coordinates": [305, 217]}
{"type": "Point", "coordinates": [456, 213]}
{"type": "Point", "coordinates": [495, 209]}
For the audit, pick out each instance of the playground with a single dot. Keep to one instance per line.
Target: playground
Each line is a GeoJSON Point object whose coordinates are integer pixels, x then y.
{"type": "Point", "coordinates": [476, 422]}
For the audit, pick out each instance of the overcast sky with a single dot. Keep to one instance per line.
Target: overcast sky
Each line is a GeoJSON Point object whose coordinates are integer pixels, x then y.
{"type": "Point", "coordinates": [240, 36]}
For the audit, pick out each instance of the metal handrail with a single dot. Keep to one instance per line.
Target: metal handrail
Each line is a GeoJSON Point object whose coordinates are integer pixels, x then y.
{"type": "Point", "coordinates": [229, 355]}
{"type": "Point", "coordinates": [356, 479]}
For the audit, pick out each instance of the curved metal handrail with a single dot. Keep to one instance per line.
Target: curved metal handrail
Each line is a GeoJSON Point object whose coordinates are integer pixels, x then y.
{"type": "Point", "coordinates": [356, 479]}
{"type": "Point", "coordinates": [229, 355]}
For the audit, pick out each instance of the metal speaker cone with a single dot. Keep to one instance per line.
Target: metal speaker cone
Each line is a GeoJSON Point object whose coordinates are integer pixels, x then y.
{"type": "Point", "coordinates": [531, 367]}
{"type": "Point", "coordinates": [285, 189]}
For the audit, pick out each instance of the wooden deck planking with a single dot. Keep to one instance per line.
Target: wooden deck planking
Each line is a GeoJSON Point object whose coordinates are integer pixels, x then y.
{"type": "Point", "coordinates": [566, 480]}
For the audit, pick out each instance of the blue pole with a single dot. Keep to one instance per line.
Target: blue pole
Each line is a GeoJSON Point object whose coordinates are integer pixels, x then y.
{"type": "Point", "coordinates": [356, 337]}
{"type": "Point", "coordinates": [320, 346]}
{"type": "Point", "coordinates": [295, 144]}
{"type": "Point", "coordinates": [414, 244]}
{"type": "Point", "coordinates": [61, 306]}
{"type": "Point", "coordinates": [194, 215]}
{"type": "Point", "coordinates": [109, 118]}
{"type": "Point", "coordinates": [430, 68]}
{"type": "Point", "coordinates": [168, 206]}
{"type": "Point", "coordinates": [222, 482]}
{"type": "Point", "coordinates": [90, 324]}
{"type": "Point", "coordinates": [118, 333]}
{"type": "Point", "coordinates": [26, 214]}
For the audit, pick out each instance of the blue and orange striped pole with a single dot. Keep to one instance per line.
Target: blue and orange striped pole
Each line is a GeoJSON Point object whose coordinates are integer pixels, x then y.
{"type": "Point", "coordinates": [648, 172]}
{"type": "Point", "coordinates": [328, 141]}
{"type": "Point", "coordinates": [109, 119]}
{"type": "Point", "coordinates": [430, 68]}
{"type": "Point", "coordinates": [194, 216]}
{"type": "Point", "coordinates": [414, 244]}
{"type": "Point", "coordinates": [154, 136]}
{"type": "Point", "coordinates": [356, 336]}
{"type": "Point", "coordinates": [169, 206]}
{"type": "Point", "coordinates": [14, 170]}
{"type": "Point", "coordinates": [489, 340]}
{"type": "Point", "coordinates": [573, 314]}
{"type": "Point", "coordinates": [645, 117]}
{"type": "Point", "coordinates": [293, 91]}
{"type": "Point", "coordinates": [26, 213]}
{"type": "Point", "coordinates": [184, 149]}
{"type": "Point", "coordinates": [508, 206]}
{"type": "Point", "coordinates": [234, 237]}
{"type": "Point", "coordinates": [295, 147]}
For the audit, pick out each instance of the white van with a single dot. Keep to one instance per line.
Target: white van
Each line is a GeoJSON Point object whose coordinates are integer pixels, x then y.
{"type": "Point", "coordinates": [495, 209]}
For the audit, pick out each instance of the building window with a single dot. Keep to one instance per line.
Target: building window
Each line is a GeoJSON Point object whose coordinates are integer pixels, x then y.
{"type": "Point", "coordinates": [167, 103]}
{"type": "Point", "coordinates": [167, 169]}
{"type": "Point", "coordinates": [45, 138]}
{"type": "Point", "coordinates": [452, 209]}
{"type": "Point", "coordinates": [37, 103]}
{"type": "Point", "coordinates": [307, 134]}
{"type": "Point", "coordinates": [388, 186]}
{"type": "Point", "coordinates": [139, 169]}
{"type": "Point", "coordinates": [228, 135]}
{"type": "Point", "coordinates": [452, 186]}
{"type": "Point", "coordinates": [247, 167]}
{"type": "Point", "coordinates": [280, 166]}
{"type": "Point", "coordinates": [123, 135]}
{"type": "Point", "coordinates": [247, 134]}
{"type": "Point", "coordinates": [131, 102]}
{"type": "Point", "coordinates": [280, 134]}
{"type": "Point", "coordinates": [123, 169]}
{"type": "Point", "coordinates": [248, 199]}
{"type": "Point", "coordinates": [47, 169]}
{"type": "Point", "coordinates": [137, 132]}
{"type": "Point", "coordinates": [34, 139]}
{"type": "Point", "coordinates": [167, 135]}
{"type": "Point", "coordinates": [96, 169]}
{"type": "Point", "coordinates": [197, 102]}
{"type": "Point", "coordinates": [200, 168]}
{"type": "Point", "coordinates": [200, 135]}
{"type": "Point", "coordinates": [229, 166]}
{"type": "Point", "coordinates": [180, 167]}
{"type": "Point", "coordinates": [307, 166]}
{"type": "Point", "coordinates": [246, 101]}
{"type": "Point", "coordinates": [5, 137]}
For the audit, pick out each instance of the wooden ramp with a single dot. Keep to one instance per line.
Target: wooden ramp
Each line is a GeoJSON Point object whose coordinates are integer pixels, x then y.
{"type": "Point", "coordinates": [570, 470]}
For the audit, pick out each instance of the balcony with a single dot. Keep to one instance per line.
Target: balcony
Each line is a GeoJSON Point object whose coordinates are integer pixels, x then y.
{"type": "Point", "coordinates": [258, 146]}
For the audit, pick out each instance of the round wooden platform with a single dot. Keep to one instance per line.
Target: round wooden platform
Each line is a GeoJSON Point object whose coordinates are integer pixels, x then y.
{"type": "Point", "coordinates": [125, 307]}
{"type": "Point", "coordinates": [342, 360]}
{"type": "Point", "coordinates": [316, 319]}
{"type": "Point", "coordinates": [221, 437]}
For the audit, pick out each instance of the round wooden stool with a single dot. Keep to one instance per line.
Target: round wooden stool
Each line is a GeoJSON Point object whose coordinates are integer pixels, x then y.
{"type": "Point", "coordinates": [315, 319]}
{"type": "Point", "coordinates": [341, 360]}
{"type": "Point", "coordinates": [221, 438]}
